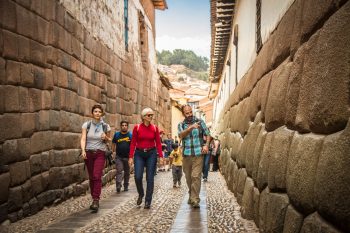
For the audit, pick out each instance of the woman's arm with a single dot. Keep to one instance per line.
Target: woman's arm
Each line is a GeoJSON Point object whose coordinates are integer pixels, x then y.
{"type": "Point", "coordinates": [83, 143]}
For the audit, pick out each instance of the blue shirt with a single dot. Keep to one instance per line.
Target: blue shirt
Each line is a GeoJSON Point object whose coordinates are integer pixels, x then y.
{"type": "Point", "coordinates": [193, 142]}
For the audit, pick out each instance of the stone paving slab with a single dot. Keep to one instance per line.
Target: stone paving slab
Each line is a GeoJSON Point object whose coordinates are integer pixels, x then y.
{"type": "Point", "coordinates": [189, 219]}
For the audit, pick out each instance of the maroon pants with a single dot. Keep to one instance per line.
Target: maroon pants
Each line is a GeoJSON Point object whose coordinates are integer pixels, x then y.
{"type": "Point", "coordinates": [95, 163]}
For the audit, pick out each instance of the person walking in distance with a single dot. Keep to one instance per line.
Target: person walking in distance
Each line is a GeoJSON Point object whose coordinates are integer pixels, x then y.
{"type": "Point", "coordinates": [94, 138]}
{"type": "Point", "coordinates": [121, 147]}
{"type": "Point", "coordinates": [192, 132]}
{"type": "Point", "coordinates": [176, 164]}
{"type": "Point", "coordinates": [169, 142]}
{"type": "Point", "coordinates": [216, 153]}
{"type": "Point", "coordinates": [145, 144]}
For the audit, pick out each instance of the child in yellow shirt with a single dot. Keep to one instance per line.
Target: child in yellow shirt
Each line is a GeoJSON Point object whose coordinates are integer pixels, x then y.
{"type": "Point", "coordinates": [176, 164]}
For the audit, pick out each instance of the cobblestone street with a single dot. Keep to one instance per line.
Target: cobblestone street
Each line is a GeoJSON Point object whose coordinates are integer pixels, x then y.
{"type": "Point", "coordinates": [170, 212]}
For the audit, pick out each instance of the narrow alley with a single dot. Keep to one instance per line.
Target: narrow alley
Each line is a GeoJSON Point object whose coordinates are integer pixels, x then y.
{"type": "Point", "coordinates": [218, 212]}
{"type": "Point", "coordinates": [258, 88]}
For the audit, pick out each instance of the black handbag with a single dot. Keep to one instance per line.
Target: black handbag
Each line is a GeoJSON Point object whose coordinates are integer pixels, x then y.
{"type": "Point", "coordinates": [108, 156]}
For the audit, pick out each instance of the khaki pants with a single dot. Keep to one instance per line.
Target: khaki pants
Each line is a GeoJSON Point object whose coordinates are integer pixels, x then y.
{"type": "Point", "coordinates": [192, 167]}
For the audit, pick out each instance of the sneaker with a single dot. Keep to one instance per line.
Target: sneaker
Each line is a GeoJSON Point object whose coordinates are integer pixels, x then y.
{"type": "Point", "coordinates": [94, 206]}
{"type": "Point", "coordinates": [205, 179]}
{"type": "Point", "coordinates": [195, 204]}
{"type": "Point", "coordinates": [179, 183]}
{"type": "Point", "coordinates": [189, 201]}
{"type": "Point", "coordinates": [126, 189]}
{"type": "Point", "coordinates": [118, 190]}
{"type": "Point", "coordinates": [174, 185]}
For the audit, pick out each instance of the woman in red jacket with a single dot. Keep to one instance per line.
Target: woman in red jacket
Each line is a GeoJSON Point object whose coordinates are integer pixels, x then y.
{"type": "Point", "coordinates": [144, 149]}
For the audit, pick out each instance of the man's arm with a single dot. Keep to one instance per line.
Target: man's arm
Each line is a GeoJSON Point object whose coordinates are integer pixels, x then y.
{"type": "Point", "coordinates": [183, 133]}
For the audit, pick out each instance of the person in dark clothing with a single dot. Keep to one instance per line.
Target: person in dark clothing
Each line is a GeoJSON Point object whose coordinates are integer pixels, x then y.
{"type": "Point", "coordinates": [216, 153]}
{"type": "Point", "coordinates": [169, 142]}
{"type": "Point", "coordinates": [121, 145]}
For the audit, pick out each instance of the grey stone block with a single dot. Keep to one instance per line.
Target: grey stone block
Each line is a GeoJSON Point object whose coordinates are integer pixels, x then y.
{"type": "Point", "coordinates": [292, 221]}
{"type": "Point", "coordinates": [301, 170]}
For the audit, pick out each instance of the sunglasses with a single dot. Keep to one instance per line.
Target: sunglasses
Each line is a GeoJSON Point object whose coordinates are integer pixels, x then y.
{"type": "Point", "coordinates": [149, 115]}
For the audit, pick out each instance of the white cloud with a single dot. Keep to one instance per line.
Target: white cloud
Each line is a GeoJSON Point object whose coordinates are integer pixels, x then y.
{"type": "Point", "coordinates": [201, 46]}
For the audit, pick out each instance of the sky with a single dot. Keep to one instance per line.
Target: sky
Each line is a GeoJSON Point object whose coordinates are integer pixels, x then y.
{"type": "Point", "coordinates": [184, 25]}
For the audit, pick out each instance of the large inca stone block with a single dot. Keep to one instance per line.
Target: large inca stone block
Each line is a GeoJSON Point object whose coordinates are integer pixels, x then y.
{"type": "Point", "coordinates": [332, 186]}
{"type": "Point", "coordinates": [42, 122]}
{"type": "Point", "coordinates": [38, 54]}
{"type": "Point", "coordinates": [35, 164]}
{"type": "Point", "coordinates": [275, 106]}
{"type": "Point", "coordinates": [301, 170]}
{"type": "Point", "coordinates": [256, 198]}
{"type": "Point", "coordinates": [314, 223]}
{"type": "Point", "coordinates": [292, 93]}
{"type": "Point", "coordinates": [28, 124]}
{"type": "Point", "coordinates": [11, 102]}
{"type": "Point", "coordinates": [258, 150]}
{"type": "Point", "coordinates": [5, 184]}
{"type": "Point", "coordinates": [10, 151]}
{"type": "Point", "coordinates": [251, 139]}
{"type": "Point", "coordinates": [282, 39]}
{"type": "Point", "coordinates": [276, 210]}
{"type": "Point", "coordinates": [13, 76]}
{"type": "Point", "coordinates": [263, 169]}
{"type": "Point", "coordinates": [15, 200]}
{"type": "Point", "coordinates": [242, 176]}
{"type": "Point", "coordinates": [263, 93]}
{"type": "Point", "coordinates": [41, 141]}
{"type": "Point", "coordinates": [35, 99]}
{"type": "Point", "coordinates": [263, 207]}
{"type": "Point", "coordinates": [19, 172]}
{"type": "Point", "coordinates": [10, 41]}
{"type": "Point", "coordinates": [279, 158]}
{"type": "Point", "coordinates": [23, 49]}
{"type": "Point", "coordinates": [3, 212]}
{"type": "Point", "coordinates": [327, 59]}
{"type": "Point", "coordinates": [247, 200]}
{"type": "Point", "coordinates": [27, 191]}
{"type": "Point", "coordinates": [292, 220]}
{"type": "Point", "coordinates": [8, 17]}
{"type": "Point", "coordinates": [72, 140]}
{"type": "Point", "coordinates": [23, 149]}
{"type": "Point", "coordinates": [46, 100]}
{"type": "Point", "coordinates": [69, 122]}
{"type": "Point", "coordinates": [36, 184]}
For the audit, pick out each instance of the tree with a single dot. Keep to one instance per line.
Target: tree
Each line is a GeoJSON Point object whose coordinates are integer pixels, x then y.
{"type": "Point", "coordinates": [183, 57]}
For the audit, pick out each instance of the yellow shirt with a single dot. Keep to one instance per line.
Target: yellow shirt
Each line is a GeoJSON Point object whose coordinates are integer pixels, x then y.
{"type": "Point", "coordinates": [177, 157]}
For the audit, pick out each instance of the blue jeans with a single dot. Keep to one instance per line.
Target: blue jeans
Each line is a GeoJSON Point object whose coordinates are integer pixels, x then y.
{"type": "Point", "coordinates": [142, 160]}
{"type": "Point", "coordinates": [206, 162]}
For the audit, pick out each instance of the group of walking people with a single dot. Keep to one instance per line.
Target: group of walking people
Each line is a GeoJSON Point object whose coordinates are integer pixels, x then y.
{"type": "Point", "coordinates": [142, 149]}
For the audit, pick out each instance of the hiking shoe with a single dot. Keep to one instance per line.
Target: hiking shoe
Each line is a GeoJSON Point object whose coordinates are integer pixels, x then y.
{"type": "Point", "coordinates": [179, 183]}
{"type": "Point", "coordinates": [139, 200]}
{"type": "Point", "coordinates": [195, 204]}
{"type": "Point", "coordinates": [147, 205]}
{"type": "Point", "coordinates": [94, 206]}
{"type": "Point", "coordinates": [174, 185]}
{"type": "Point", "coordinates": [118, 190]}
{"type": "Point", "coordinates": [126, 189]}
{"type": "Point", "coordinates": [189, 201]}
{"type": "Point", "coordinates": [205, 179]}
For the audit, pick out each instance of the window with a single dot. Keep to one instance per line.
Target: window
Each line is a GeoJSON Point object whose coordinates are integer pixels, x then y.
{"type": "Point", "coordinates": [258, 26]}
{"type": "Point", "coordinates": [126, 27]}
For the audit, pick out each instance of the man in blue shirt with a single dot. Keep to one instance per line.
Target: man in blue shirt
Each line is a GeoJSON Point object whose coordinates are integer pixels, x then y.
{"type": "Point", "coordinates": [121, 145]}
{"type": "Point", "coordinates": [192, 132]}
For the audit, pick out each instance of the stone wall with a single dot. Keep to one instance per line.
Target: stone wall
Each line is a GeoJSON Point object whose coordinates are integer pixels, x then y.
{"type": "Point", "coordinates": [53, 68]}
{"type": "Point", "coordinates": [285, 130]}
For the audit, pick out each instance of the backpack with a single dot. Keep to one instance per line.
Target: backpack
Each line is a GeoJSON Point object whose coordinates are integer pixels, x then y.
{"type": "Point", "coordinates": [104, 127]}
{"type": "Point", "coordinates": [108, 153]}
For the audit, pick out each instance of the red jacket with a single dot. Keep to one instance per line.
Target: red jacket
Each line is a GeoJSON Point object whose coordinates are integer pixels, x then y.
{"type": "Point", "coordinates": [145, 137]}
